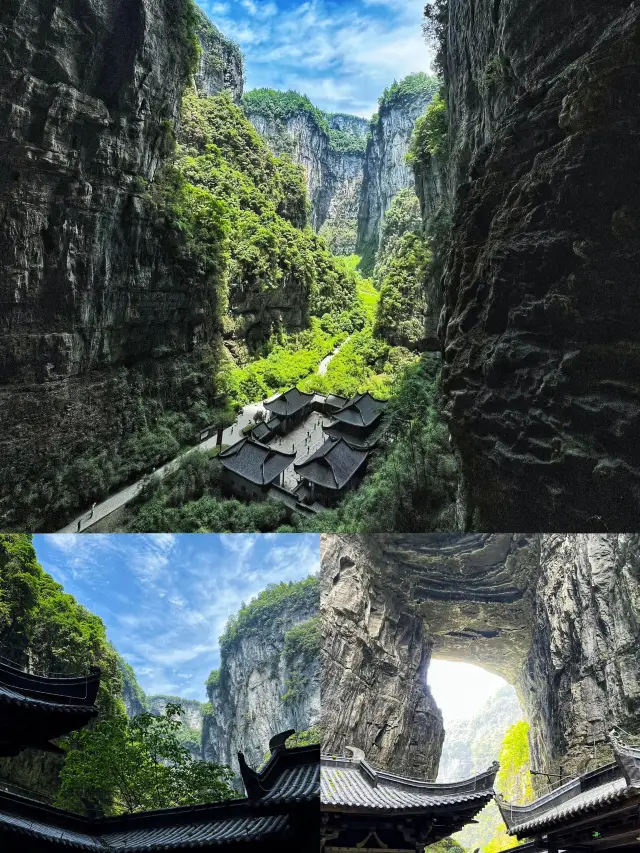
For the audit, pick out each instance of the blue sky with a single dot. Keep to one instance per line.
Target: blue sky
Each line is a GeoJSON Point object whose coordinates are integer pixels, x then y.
{"type": "Point", "coordinates": [341, 53]}
{"type": "Point", "coordinates": [165, 599]}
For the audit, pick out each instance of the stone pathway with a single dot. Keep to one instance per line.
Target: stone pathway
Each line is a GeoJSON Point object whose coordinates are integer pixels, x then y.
{"type": "Point", "coordinates": [324, 364]}
{"type": "Point", "coordinates": [303, 441]}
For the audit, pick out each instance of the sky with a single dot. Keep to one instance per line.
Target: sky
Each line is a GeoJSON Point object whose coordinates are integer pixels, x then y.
{"type": "Point", "coordinates": [165, 599]}
{"type": "Point", "coordinates": [461, 689]}
{"type": "Point", "coordinates": [342, 54]}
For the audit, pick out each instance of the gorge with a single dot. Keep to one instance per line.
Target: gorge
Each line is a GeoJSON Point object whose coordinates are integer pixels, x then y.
{"type": "Point", "coordinates": [152, 262]}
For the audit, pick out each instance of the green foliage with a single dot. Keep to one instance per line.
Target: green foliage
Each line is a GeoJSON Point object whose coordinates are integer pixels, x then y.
{"type": "Point", "coordinates": [435, 27]}
{"type": "Point", "coordinates": [182, 17]}
{"type": "Point", "coordinates": [413, 86]}
{"type": "Point", "coordinates": [123, 766]}
{"type": "Point", "coordinates": [45, 628]}
{"type": "Point", "coordinates": [412, 481]}
{"type": "Point", "coordinates": [218, 47]}
{"type": "Point", "coordinates": [514, 779]}
{"type": "Point", "coordinates": [275, 105]}
{"type": "Point", "coordinates": [447, 845]}
{"type": "Point", "coordinates": [400, 318]}
{"type": "Point", "coordinates": [130, 684]}
{"type": "Point", "coordinates": [268, 606]}
{"type": "Point", "coordinates": [310, 737]}
{"type": "Point", "coordinates": [302, 642]}
{"type": "Point", "coordinates": [431, 135]}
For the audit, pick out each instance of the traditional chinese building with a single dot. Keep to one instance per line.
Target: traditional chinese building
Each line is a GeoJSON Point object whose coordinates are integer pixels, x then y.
{"type": "Point", "coordinates": [35, 709]}
{"type": "Point", "coordinates": [329, 473]}
{"type": "Point", "coordinates": [280, 814]}
{"type": "Point", "coordinates": [597, 811]}
{"type": "Point", "coordinates": [251, 468]}
{"type": "Point", "coordinates": [265, 431]}
{"type": "Point", "coordinates": [291, 408]}
{"type": "Point", "coordinates": [366, 810]}
{"type": "Point", "coordinates": [359, 416]}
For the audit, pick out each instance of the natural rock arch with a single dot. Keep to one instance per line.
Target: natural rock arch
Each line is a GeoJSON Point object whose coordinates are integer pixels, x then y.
{"type": "Point", "coordinates": [556, 615]}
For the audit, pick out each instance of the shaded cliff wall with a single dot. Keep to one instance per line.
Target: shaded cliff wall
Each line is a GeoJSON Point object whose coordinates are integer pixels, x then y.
{"type": "Point", "coordinates": [97, 318]}
{"type": "Point", "coordinates": [386, 171]}
{"type": "Point", "coordinates": [556, 615]}
{"type": "Point", "coordinates": [539, 324]}
{"type": "Point", "coordinates": [268, 681]}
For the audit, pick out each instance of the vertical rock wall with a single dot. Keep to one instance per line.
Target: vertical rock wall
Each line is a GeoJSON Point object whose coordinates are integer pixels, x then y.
{"type": "Point", "coordinates": [261, 691]}
{"type": "Point", "coordinates": [96, 317]}
{"type": "Point", "coordinates": [221, 62]}
{"type": "Point", "coordinates": [540, 324]}
{"type": "Point", "coordinates": [386, 170]}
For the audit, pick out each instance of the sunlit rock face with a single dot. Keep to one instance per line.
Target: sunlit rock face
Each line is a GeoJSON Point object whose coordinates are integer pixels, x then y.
{"type": "Point", "coordinates": [386, 171]}
{"type": "Point", "coordinates": [539, 322]}
{"type": "Point", "coordinates": [557, 616]}
{"type": "Point", "coordinates": [261, 691]}
{"type": "Point", "coordinates": [95, 314]}
{"type": "Point", "coordinates": [334, 178]}
{"type": "Point", "coordinates": [221, 62]}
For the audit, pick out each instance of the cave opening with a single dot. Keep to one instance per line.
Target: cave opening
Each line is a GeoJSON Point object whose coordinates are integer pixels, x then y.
{"type": "Point", "coordinates": [478, 707]}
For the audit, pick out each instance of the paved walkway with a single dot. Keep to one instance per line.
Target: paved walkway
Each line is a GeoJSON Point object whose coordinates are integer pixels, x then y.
{"type": "Point", "coordinates": [324, 364]}
{"type": "Point", "coordinates": [304, 440]}
{"type": "Point", "coordinates": [230, 436]}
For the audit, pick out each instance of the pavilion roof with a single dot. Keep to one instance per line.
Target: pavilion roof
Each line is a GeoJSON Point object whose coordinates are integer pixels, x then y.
{"type": "Point", "coordinates": [354, 785]}
{"type": "Point", "coordinates": [333, 464]}
{"type": "Point", "coordinates": [363, 410]}
{"type": "Point", "coordinates": [259, 463]}
{"type": "Point", "coordinates": [288, 781]}
{"type": "Point", "coordinates": [591, 793]}
{"type": "Point", "coordinates": [288, 403]}
{"type": "Point", "coordinates": [335, 430]}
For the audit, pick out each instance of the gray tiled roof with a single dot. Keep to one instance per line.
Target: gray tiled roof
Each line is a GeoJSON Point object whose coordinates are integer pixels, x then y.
{"type": "Point", "coordinates": [333, 465]}
{"type": "Point", "coordinates": [335, 430]}
{"type": "Point", "coordinates": [588, 801]}
{"type": "Point", "coordinates": [261, 431]}
{"type": "Point", "coordinates": [218, 832]}
{"type": "Point", "coordinates": [591, 792]}
{"type": "Point", "coordinates": [297, 784]}
{"type": "Point", "coordinates": [255, 461]}
{"type": "Point", "coordinates": [363, 410]}
{"type": "Point", "coordinates": [289, 403]}
{"type": "Point", "coordinates": [355, 784]}
{"type": "Point", "coordinates": [15, 697]}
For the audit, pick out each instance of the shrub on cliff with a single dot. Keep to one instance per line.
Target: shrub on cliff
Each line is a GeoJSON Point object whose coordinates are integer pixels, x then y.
{"type": "Point", "coordinates": [412, 86]}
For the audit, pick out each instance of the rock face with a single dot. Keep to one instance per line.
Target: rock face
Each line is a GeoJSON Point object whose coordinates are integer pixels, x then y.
{"type": "Point", "coordinates": [375, 658]}
{"type": "Point", "coordinates": [334, 178]}
{"type": "Point", "coordinates": [263, 687]}
{"type": "Point", "coordinates": [193, 713]}
{"type": "Point", "coordinates": [386, 171]}
{"type": "Point", "coordinates": [221, 62]}
{"type": "Point", "coordinates": [557, 615]}
{"type": "Point", "coordinates": [95, 316]}
{"type": "Point", "coordinates": [539, 323]}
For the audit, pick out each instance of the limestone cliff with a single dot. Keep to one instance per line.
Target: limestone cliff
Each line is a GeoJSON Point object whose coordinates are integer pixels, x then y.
{"type": "Point", "coordinates": [221, 65]}
{"type": "Point", "coordinates": [268, 680]}
{"type": "Point", "coordinates": [330, 148]}
{"type": "Point", "coordinates": [558, 616]}
{"type": "Point", "coordinates": [386, 171]}
{"type": "Point", "coordinates": [97, 317]}
{"type": "Point", "coordinates": [539, 325]}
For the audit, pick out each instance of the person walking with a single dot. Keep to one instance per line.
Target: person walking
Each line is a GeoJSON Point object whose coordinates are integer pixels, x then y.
{"type": "Point", "coordinates": [93, 506]}
{"type": "Point", "coordinates": [79, 524]}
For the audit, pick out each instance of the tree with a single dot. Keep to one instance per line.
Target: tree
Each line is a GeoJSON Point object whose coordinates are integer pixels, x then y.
{"type": "Point", "coordinates": [124, 765]}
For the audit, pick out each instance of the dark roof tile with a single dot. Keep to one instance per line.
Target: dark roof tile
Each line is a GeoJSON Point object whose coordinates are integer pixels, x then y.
{"type": "Point", "coordinates": [255, 461]}
{"type": "Point", "coordinates": [333, 465]}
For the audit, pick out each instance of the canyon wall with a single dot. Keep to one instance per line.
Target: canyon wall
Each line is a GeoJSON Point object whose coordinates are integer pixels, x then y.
{"type": "Point", "coordinates": [268, 681]}
{"type": "Point", "coordinates": [558, 616]}
{"type": "Point", "coordinates": [334, 177]}
{"type": "Point", "coordinates": [537, 306]}
{"type": "Point", "coordinates": [386, 171]}
{"type": "Point", "coordinates": [100, 327]}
